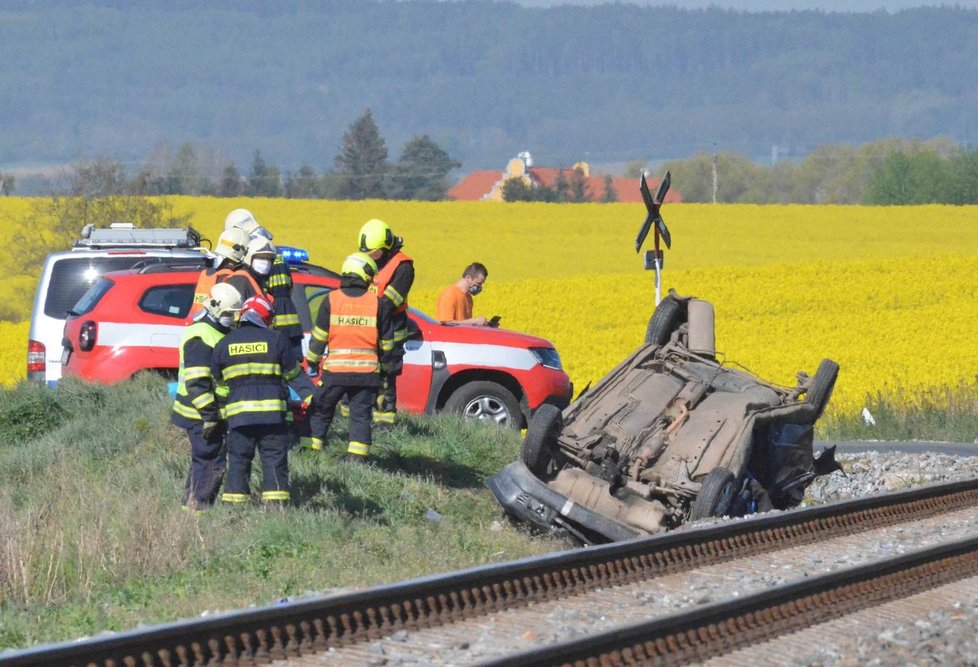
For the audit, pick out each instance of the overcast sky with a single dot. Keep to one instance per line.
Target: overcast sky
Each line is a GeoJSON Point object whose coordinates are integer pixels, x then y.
{"type": "Point", "coordinates": [768, 5]}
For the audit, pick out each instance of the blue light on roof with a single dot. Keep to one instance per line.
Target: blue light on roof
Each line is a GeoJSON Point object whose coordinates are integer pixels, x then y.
{"type": "Point", "coordinates": [293, 255]}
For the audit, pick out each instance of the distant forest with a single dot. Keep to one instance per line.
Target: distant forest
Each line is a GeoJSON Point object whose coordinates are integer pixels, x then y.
{"type": "Point", "coordinates": [484, 80]}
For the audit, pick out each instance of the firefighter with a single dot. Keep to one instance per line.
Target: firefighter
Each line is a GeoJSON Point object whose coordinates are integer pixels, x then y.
{"type": "Point", "coordinates": [355, 328]}
{"type": "Point", "coordinates": [196, 408]}
{"type": "Point", "coordinates": [228, 255]}
{"type": "Point", "coordinates": [258, 258]}
{"type": "Point", "coordinates": [277, 282]}
{"type": "Point", "coordinates": [393, 281]}
{"type": "Point", "coordinates": [255, 362]}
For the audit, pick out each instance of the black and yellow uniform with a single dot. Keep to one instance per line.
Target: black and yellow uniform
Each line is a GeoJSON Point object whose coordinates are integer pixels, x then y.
{"type": "Point", "coordinates": [255, 363]}
{"type": "Point", "coordinates": [196, 403]}
{"type": "Point", "coordinates": [393, 282]}
{"type": "Point", "coordinates": [356, 327]}
{"type": "Point", "coordinates": [278, 283]}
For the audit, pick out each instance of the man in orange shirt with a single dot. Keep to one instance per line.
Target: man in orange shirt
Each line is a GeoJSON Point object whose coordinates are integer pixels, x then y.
{"type": "Point", "coordinates": [455, 303]}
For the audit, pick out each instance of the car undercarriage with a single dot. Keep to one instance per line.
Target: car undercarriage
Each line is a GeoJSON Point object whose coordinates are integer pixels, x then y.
{"type": "Point", "coordinates": [671, 435]}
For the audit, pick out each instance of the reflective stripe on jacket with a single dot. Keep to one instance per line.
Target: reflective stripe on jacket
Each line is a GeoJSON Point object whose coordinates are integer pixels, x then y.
{"type": "Point", "coordinates": [279, 285]}
{"type": "Point", "coordinates": [197, 396]}
{"type": "Point", "coordinates": [353, 338]}
{"type": "Point", "coordinates": [254, 363]}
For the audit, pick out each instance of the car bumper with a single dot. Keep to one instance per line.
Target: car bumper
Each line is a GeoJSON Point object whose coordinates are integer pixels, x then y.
{"type": "Point", "coordinates": [524, 496]}
{"type": "Point", "coordinates": [546, 385]}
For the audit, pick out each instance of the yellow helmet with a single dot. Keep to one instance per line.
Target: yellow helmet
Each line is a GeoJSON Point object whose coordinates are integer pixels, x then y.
{"type": "Point", "coordinates": [360, 264]}
{"type": "Point", "coordinates": [376, 235]}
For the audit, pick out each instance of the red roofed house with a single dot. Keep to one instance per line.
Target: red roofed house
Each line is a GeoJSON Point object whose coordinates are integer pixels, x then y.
{"type": "Point", "coordinates": [487, 185]}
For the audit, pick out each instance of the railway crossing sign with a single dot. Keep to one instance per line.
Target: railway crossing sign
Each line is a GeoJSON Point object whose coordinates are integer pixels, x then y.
{"type": "Point", "coordinates": [654, 221]}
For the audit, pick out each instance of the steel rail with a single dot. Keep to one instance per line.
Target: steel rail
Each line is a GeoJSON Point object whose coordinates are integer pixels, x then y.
{"type": "Point", "coordinates": [308, 626]}
{"type": "Point", "coordinates": [716, 629]}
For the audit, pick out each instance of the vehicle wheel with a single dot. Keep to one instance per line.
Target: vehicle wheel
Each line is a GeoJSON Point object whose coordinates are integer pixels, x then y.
{"type": "Point", "coordinates": [715, 495]}
{"type": "Point", "coordinates": [541, 438]}
{"type": "Point", "coordinates": [822, 385]}
{"type": "Point", "coordinates": [485, 401]}
{"type": "Point", "coordinates": [666, 318]}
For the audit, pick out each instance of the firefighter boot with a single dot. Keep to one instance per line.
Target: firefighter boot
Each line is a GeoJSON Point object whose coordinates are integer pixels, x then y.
{"type": "Point", "coordinates": [357, 452]}
{"type": "Point", "coordinates": [385, 410]}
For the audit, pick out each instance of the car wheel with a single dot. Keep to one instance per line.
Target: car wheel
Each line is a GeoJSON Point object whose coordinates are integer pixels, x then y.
{"type": "Point", "coordinates": [822, 385]}
{"type": "Point", "coordinates": [485, 401]}
{"type": "Point", "coordinates": [666, 318]}
{"type": "Point", "coordinates": [715, 495]}
{"type": "Point", "coordinates": [541, 438]}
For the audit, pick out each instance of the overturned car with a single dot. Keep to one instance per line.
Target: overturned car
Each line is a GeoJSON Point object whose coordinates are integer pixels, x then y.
{"type": "Point", "coordinates": [668, 436]}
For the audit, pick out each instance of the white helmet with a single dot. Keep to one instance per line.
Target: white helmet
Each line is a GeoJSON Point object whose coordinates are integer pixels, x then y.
{"type": "Point", "coordinates": [259, 247]}
{"type": "Point", "coordinates": [242, 218]}
{"type": "Point", "coordinates": [232, 244]}
{"type": "Point", "coordinates": [223, 299]}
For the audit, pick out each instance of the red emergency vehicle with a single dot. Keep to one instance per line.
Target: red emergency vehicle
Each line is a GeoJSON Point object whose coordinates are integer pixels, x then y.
{"type": "Point", "coordinates": [131, 321]}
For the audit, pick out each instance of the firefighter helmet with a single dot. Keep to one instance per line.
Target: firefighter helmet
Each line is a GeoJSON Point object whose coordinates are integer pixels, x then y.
{"type": "Point", "coordinates": [232, 244]}
{"type": "Point", "coordinates": [359, 264]}
{"type": "Point", "coordinates": [376, 235]}
{"type": "Point", "coordinates": [242, 218]}
{"type": "Point", "coordinates": [257, 310]}
{"type": "Point", "coordinates": [259, 247]}
{"type": "Point", "coordinates": [223, 299]}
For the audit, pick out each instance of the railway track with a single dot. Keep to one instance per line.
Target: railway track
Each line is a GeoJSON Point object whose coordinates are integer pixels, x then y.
{"type": "Point", "coordinates": [439, 619]}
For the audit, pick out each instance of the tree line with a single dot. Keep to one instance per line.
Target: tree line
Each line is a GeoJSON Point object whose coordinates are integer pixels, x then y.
{"type": "Point", "coordinates": [362, 171]}
{"type": "Point", "coordinates": [888, 172]}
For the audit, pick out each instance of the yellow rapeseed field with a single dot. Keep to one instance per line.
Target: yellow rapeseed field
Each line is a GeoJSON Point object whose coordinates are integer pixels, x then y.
{"type": "Point", "coordinates": [888, 292]}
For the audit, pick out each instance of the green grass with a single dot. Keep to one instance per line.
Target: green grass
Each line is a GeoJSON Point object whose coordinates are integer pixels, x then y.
{"type": "Point", "coordinates": [93, 536]}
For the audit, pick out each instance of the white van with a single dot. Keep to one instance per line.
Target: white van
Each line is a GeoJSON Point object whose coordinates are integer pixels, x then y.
{"type": "Point", "coordinates": [67, 276]}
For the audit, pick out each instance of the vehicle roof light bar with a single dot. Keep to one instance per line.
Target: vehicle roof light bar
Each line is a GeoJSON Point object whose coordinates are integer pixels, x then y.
{"type": "Point", "coordinates": [119, 236]}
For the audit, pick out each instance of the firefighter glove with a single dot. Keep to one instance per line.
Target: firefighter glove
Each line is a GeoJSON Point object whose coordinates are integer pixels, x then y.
{"type": "Point", "coordinates": [208, 429]}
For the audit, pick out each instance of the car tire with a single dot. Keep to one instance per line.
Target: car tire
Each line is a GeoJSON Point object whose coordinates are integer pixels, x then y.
{"type": "Point", "coordinates": [537, 450]}
{"type": "Point", "coordinates": [822, 385]}
{"type": "Point", "coordinates": [715, 496]}
{"type": "Point", "coordinates": [666, 318]}
{"type": "Point", "coordinates": [485, 401]}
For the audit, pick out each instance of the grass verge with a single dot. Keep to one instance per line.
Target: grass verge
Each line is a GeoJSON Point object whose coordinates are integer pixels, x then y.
{"type": "Point", "coordinates": [941, 414]}
{"type": "Point", "coordinates": [93, 537]}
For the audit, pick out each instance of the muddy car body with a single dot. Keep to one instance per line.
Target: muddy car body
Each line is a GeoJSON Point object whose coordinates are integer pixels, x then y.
{"type": "Point", "coordinates": [670, 435]}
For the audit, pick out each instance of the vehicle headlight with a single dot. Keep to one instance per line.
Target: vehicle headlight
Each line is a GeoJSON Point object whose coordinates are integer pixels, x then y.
{"type": "Point", "coordinates": [547, 356]}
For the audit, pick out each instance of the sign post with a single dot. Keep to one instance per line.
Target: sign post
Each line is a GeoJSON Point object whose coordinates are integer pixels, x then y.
{"type": "Point", "coordinates": [653, 258]}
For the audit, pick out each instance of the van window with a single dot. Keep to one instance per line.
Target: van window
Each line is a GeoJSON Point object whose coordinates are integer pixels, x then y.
{"type": "Point", "coordinates": [71, 278]}
{"type": "Point", "coordinates": [168, 300]}
{"type": "Point", "coordinates": [91, 298]}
